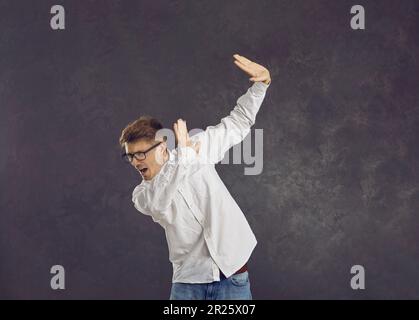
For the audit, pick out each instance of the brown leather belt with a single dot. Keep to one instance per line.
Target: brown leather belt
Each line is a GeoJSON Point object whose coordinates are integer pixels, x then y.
{"type": "Point", "coordinates": [241, 270]}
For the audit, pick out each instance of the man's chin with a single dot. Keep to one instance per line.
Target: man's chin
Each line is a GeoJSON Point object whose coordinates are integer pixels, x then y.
{"type": "Point", "coordinates": [146, 177]}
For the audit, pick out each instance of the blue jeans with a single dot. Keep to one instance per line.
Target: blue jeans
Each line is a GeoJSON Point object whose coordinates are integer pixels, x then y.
{"type": "Point", "coordinates": [235, 287]}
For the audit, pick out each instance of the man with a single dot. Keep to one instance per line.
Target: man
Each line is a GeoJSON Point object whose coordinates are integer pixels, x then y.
{"type": "Point", "coordinates": [209, 239]}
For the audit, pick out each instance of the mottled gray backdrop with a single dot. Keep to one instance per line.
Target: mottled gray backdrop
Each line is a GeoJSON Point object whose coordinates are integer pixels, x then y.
{"type": "Point", "coordinates": [340, 184]}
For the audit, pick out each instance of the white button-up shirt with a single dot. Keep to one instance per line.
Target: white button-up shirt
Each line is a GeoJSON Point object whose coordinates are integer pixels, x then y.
{"type": "Point", "coordinates": [205, 229]}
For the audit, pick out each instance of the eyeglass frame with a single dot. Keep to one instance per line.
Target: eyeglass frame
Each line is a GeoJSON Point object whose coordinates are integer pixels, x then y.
{"type": "Point", "coordinates": [133, 155]}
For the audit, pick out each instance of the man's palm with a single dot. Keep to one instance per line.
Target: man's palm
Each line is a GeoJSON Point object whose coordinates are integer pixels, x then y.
{"type": "Point", "coordinates": [182, 136]}
{"type": "Point", "coordinates": [258, 72]}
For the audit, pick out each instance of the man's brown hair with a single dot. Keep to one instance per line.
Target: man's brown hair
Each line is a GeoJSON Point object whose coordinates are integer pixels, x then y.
{"type": "Point", "coordinates": [144, 127]}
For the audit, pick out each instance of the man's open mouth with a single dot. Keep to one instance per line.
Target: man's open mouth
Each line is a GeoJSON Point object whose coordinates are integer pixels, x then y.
{"type": "Point", "coordinates": [143, 170]}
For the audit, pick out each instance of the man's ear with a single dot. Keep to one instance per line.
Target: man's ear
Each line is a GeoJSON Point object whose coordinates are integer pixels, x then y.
{"type": "Point", "coordinates": [164, 146]}
{"type": "Point", "coordinates": [160, 153]}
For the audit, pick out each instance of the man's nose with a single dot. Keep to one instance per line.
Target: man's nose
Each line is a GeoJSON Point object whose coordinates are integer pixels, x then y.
{"type": "Point", "coordinates": [136, 162]}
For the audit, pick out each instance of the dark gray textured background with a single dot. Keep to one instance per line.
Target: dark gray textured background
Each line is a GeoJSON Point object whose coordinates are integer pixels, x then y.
{"type": "Point", "coordinates": [341, 129]}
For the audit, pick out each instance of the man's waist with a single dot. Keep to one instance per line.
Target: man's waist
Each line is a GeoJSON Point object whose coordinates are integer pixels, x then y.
{"type": "Point", "coordinates": [241, 270]}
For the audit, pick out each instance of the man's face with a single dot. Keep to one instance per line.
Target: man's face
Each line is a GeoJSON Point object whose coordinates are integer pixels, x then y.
{"type": "Point", "coordinates": [153, 161]}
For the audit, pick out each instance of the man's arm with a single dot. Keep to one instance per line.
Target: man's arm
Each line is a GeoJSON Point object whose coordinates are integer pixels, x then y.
{"type": "Point", "coordinates": [217, 140]}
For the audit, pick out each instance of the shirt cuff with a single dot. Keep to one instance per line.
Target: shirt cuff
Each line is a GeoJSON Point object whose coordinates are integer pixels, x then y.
{"type": "Point", "coordinates": [259, 88]}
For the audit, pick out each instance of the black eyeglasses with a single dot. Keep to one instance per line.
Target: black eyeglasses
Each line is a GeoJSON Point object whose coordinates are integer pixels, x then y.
{"type": "Point", "coordinates": [140, 155]}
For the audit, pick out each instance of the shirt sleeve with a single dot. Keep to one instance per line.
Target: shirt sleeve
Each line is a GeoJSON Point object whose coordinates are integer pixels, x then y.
{"type": "Point", "coordinates": [156, 195]}
{"type": "Point", "coordinates": [217, 140]}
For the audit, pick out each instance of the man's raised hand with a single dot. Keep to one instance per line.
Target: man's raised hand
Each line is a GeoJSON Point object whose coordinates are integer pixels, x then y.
{"type": "Point", "coordinates": [256, 71]}
{"type": "Point", "coordinates": [182, 136]}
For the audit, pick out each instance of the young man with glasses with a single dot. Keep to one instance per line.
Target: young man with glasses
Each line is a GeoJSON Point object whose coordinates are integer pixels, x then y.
{"type": "Point", "coordinates": [208, 236]}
